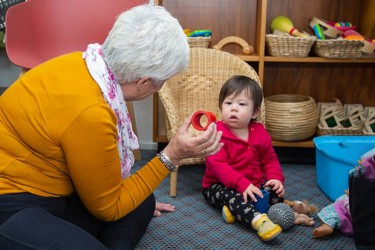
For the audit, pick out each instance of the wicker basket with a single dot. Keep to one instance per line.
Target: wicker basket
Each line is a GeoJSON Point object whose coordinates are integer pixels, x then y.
{"type": "Point", "coordinates": [289, 46]}
{"type": "Point", "coordinates": [338, 48]}
{"type": "Point", "coordinates": [327, 108]}
{"type": "Point", "coordinates": [291, 117]}
{"type": "Point", "coordinates": [343, 126]}
{"type": "Point", "coordinates": [199, 42]}
{"type": "Point", "coordinates": [369, 128]}
{"type": "Point", "coordinates": [368, 49]}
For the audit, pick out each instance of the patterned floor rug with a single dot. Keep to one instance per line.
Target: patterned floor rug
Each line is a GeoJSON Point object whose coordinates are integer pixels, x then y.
{"type": "Point", "coordinates": [196, 225]}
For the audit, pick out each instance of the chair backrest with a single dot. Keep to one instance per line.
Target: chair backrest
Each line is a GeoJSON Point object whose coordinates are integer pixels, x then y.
{"type": "Point", "coordinates": [38, 30]}
{"type": "Point", "coordinates": [199, 86]}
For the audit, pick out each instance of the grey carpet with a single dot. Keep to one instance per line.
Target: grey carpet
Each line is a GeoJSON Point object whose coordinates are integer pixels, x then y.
{"type": "Point", "coordinates": [196, 225]}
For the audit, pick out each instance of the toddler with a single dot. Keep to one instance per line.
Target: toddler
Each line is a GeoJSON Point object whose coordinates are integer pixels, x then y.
{"type": "Point", "coordinates": [247, 163]}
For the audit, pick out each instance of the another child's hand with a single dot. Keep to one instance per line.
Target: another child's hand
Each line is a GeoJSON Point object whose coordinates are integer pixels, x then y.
{"type": "Point", "coordinates": [251, 190]}
{"type": "Point", "coordinates": [276, 186]}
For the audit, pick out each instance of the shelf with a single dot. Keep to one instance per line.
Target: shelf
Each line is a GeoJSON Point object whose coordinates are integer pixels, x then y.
{"type": "Point", "coordinates": [248, 58]}
{"type": "Point", "coordinates": [296, 144]}
{"type": "Point", "coordinates": [349, 80]}
{"type": "Point", "coordinates": [318, 59]}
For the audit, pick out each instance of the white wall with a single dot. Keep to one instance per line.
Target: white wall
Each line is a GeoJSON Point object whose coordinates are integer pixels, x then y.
{"type": "Point", "coordinates": [143, 118]}
{"type": "Point", "coordinates": [142, 109]}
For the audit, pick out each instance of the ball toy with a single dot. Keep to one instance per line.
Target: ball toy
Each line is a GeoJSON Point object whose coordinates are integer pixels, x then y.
{"type": "Point", "coordinates": [282, 214]}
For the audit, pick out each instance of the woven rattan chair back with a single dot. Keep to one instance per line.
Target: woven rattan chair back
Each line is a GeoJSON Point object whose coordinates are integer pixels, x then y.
{"type": "Point", "coordinates": [198, 88]}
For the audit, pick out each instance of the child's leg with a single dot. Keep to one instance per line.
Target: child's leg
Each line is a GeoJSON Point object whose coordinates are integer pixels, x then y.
{"type": "Point", "coordinates": [218, 196]}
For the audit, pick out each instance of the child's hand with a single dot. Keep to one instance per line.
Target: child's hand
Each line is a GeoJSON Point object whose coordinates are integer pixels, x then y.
{"type": "Point", "coordinates": [251, 190]}
{"type": "Point", "coordinates": [276, 186]}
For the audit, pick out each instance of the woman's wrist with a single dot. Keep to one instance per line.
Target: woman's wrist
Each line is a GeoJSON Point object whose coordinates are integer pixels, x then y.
{"type": "Point", "coordinates": [169, 152]}
{"type": "Point", "coordinates": [164, 158]}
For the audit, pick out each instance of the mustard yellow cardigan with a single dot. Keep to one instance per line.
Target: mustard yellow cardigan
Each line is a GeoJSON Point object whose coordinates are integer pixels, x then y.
{"type": "Point", "coordinates": [58, 135]}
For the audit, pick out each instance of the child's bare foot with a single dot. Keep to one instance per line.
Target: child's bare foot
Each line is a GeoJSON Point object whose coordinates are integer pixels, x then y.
{"type": "Point", "coordinates": [322, 231]}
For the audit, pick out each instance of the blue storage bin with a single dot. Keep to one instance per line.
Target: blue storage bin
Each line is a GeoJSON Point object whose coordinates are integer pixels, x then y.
{"type": "Point", "coordinates": [335, 157]}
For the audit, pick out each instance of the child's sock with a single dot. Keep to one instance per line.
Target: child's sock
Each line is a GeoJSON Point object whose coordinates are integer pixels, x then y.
{"type": "Point", "coordinates": [227, 215]}
{"type": "Point", "coordinates": [267, 230]}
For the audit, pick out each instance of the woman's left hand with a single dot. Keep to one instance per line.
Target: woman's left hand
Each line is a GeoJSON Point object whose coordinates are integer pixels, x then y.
{"type": "Point", "coordinates": [163, 207]}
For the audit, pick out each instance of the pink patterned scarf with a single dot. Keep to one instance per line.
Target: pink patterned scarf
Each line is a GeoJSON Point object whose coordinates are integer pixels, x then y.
{"type": "Point", "coordinates": [127, 140]}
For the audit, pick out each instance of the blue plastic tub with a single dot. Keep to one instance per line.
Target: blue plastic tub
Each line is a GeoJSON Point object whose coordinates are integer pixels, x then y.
{"type": "Point", "coordinates": [335, 157]}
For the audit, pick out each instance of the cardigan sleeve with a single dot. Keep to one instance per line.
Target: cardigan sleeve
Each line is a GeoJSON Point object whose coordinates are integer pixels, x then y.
{"type": "Point", "coordinates": [89, 144]}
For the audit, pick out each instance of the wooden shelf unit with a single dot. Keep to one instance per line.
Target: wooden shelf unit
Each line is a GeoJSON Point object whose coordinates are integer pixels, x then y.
{"type": "Point", "coordinates": [349, 80]}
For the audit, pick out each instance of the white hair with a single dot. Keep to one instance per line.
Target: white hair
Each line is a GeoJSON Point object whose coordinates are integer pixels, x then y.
{"type": "Point", "coordinates": [146, 41]}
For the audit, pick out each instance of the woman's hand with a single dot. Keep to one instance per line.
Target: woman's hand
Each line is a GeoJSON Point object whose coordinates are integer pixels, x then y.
{"type": "Point", "coordinates": [163, 207]}
{"type": "Point", "coordinates": [184, 145]}
{"type": "Point", "coordinates": [251, 191]}
{"type": "Point", "coordinates": [276, 186]}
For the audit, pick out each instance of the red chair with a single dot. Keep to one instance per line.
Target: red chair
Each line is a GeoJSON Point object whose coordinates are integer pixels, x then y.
{"type": "Point", "coordinates": [38, 30]}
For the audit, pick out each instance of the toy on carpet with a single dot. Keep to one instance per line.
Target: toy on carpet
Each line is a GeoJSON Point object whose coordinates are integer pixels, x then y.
{"type": "Point", "coordinates": [302, 207]}
{"type": "Point", "coordinates": [335, 216]}
{"type": "Point", "coordinates": [283, 215]}
{"type": "Point", "coordinates": [302, 210]}
{"type": "Point", "coordinates": [303, 219]}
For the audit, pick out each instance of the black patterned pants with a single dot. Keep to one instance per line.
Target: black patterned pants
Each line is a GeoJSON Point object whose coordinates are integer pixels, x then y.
{"type": "Point", "coordinates": [218, 195]}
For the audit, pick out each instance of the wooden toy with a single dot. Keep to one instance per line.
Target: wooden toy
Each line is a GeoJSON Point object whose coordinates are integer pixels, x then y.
{"type": "Point", "coordinates": [284, 24]}
{"type": "Point", "coordinates": [246, 48]}
{"type": "Point", "coordinates": [328, 30]}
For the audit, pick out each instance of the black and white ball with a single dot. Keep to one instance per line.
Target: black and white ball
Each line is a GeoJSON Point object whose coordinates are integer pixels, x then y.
{"type": "Point", "coordinates": [282, 215]}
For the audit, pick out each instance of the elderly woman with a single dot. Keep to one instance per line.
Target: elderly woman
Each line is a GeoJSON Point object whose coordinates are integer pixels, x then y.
{"type": "Point", "coordinates": [66, 140]}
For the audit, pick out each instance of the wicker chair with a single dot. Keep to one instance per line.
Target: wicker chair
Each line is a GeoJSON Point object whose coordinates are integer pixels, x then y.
{"type": "Point", "coordinates": [198, 88]}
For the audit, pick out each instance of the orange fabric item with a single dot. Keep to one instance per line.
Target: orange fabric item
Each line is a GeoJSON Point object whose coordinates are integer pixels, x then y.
{"type": "Point", "coordinates": [58, 136]}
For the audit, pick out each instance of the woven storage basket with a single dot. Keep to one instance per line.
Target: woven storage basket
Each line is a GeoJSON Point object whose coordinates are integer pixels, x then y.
{"type": "Point", "coordinates": [291, 117]}
{"type": "Point", "coordinates": [338, 48]}
{"type": "Point", "coordinates": [199, 42]}
{"type": "Point", "coordinates": [369, 128]}
{"type": "Point", "coordinates": [355, 128]}
{"type": "Point", "coordinates": [289, 46]}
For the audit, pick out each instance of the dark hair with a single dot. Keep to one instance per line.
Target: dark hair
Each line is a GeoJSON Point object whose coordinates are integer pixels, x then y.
{"type": "Point", "coordinates": [238, 83]}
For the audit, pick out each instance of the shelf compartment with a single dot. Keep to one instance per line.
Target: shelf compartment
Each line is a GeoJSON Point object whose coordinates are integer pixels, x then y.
{"type": "Point", "coordinates": [317, 60]}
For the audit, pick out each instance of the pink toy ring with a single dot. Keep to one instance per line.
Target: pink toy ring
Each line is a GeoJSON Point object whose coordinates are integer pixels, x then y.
{"type": "Point", "coordinates": [196, 119]}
